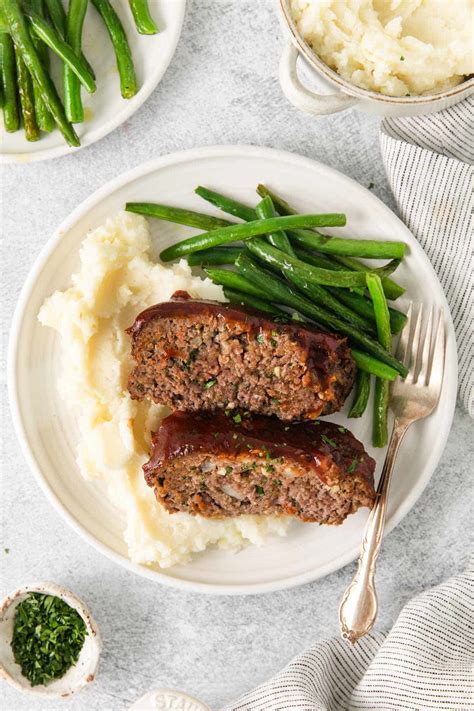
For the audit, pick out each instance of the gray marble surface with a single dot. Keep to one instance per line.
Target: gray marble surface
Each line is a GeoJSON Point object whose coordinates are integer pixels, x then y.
{"type": "Point", "coordinates": [221, 88]}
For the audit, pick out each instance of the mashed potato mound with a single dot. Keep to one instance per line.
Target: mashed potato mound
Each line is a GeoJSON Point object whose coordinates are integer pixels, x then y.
{"type": "Point", "coordinates": [396, 47]}
{"type": "Point", "coordinates": [117, 280]}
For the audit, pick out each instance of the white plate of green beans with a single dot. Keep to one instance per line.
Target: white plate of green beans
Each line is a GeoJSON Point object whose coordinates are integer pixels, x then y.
{"type": "Point", "coordinates": [71, 71]}
{"type": "Point", "coordinates": [48, 432]}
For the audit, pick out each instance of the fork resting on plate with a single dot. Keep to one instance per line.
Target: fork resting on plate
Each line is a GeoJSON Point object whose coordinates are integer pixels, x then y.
{"type": "Point", "coordinates": [411, 400]}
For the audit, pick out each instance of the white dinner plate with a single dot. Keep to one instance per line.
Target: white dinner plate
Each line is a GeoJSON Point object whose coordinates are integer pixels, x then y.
{"type": "Point", "coordinates": [47, 430]}
{"type": "Point", "coordinates": [106, 109]}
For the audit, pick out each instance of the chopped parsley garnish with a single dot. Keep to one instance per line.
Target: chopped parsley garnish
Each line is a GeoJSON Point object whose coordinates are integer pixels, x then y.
{"type": "Point", "coordinates": [237, 418]}
{"type": "Point", "coordinates": [277, 482]}
{"type": "Point", "coordinates": [260, 490]}
{"type": "Point", "coordinates": [6, 551]}
{"type": "Point", "coordinates": [275, 401]}
{"type": "Point", "coordinates": [48, 636]}
{"type": "Point", "coordinates": [371, 186]}
{"type": "Point", "coordinates": [329, 441]}
{"type": "Point", "coordinates": [402, 58]}
{"type": "Point", "coordinates": [228, 470]}
{"type": "Point", "coordinates": [353, 466]}
{"type": "Point", "coordinates": [210, 383]}
{"type": "Point", "coordinates": [270, 468]}
{"type": "Point", "coordinates": [186, 364]}
{"type": "Point", "coordinates": [261, 338]}
{"type": "Point", "coordinates": [275, 334]}
{"type": "Point", "coordinates": [342, 429]}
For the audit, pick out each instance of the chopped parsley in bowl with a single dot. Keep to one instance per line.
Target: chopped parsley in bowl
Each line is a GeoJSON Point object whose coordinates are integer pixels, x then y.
{"type": "Point", "coordinates": [49, 643]}
{"type": "Point", "coordinates": [48, 636]}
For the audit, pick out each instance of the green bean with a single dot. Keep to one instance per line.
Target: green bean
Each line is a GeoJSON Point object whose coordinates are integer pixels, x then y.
{"type": "Point", "coordinates": [382, 316]}
{"type": "Point", "coordinates": [364, 307]}
{"type": "Point", "coordinates": [381, 397]}
{"type": "Point", "coordinates": [380, 417]}
{"type": "Point", "coordinates": [143, 19]}
{"type": "Point", "coordinates": [214, 255]}
{"type": "Point", "coordinates": [279, 291]}
{"type": "Point", "coordinates": [123, 55]}
{"type": "Point", "coordinates": [235, 281]}
{"type": "Point", "coordinates": [177, 214]}
{"type": "Point", "coordinates": [11, 116]}
{"type": "Point", "coordinates": [362, 392]}
{"type": "Point", "coordinates": [27, 99]}
{"type": "Point", "coordinates": [244, 231]}
{"type": "Point", "coordinates": [371, 365]}
{"type": "Point", "coordinates": [279, 239]}
{"type": "Point", "coordinates": [279, 260]}
{"type": "Point", "coordinates": [73, 61]}
{"type": "Point", "coordinates": [2, 98]}
{"type": "Point", "coordinates": [241, 299]}
{"type": "Point", "coordinates": [323, 297]}
{"type": "Point", "coordinates": [43, 117]}
{"type": "Point", "coordinates": [391, 289]}
{"type": "Point", "coordinates": [325, 262]}
{"type": "Point", "coordinates": [232, 207]}
{"type": "Point", "coordinates": [72, 87]}
{"type": "Point", "coordinates": [21, 37]}
{"type": "Point", "coordinates": [280, 205]}
{"type": "Point", "coordinates": [368, 248]}
{"type": "Point", "coordinates": [3, 21]}
{"type": "Point", "coordinates": [58, 18]}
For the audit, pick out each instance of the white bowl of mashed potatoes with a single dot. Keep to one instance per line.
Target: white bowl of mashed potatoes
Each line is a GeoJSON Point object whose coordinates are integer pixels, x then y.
{"type": "Point", "coordinates": [391, 57]}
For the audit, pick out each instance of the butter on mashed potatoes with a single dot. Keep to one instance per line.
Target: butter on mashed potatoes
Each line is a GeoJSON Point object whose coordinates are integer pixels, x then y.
{"type": "Point", "coordinates": [395, 47]}
{"type": "Point", "coordinates": [116, 280]}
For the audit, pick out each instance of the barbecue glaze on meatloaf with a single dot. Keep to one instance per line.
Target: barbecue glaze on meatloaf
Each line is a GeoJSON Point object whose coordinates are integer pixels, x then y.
{"type": "Point", "coordinates": [219, 465]}
{"type": "Point", "coordinates": [204, 355]}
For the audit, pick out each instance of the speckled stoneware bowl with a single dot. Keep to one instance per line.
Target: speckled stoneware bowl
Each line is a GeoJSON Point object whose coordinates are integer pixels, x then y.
{"type": "Point", "coordinates": [78, 676]}
{"type": "Point", "coordinates": [338, 94]}
{"type": "Point", "coordinates": [164, 699]}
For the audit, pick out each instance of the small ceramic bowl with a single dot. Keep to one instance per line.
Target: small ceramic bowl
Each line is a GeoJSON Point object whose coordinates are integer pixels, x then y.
{"type": "Point", "coordinates": [339, 94]}
{"type": "Point", "coordinates": [78, 676]}
{"type": "Point", "coordinates": [168, 699]}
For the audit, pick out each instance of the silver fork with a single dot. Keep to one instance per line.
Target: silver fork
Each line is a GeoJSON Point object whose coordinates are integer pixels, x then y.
{"type": "Point", "coordinates": [411, 399]}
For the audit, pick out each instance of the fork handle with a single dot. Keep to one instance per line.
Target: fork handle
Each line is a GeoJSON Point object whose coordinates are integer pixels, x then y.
{"type": "Point", "coordinates": [358, 609]}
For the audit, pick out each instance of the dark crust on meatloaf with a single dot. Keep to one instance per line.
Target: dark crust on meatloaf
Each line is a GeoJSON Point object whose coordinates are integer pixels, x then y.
{"type": "Point", "coordinates": [203, 355]}
{"type": "Point", "coordinates": [315, 471]}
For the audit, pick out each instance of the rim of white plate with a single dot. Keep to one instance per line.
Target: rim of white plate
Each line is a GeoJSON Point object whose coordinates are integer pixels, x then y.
{"type": "Point", "coordinates": [22, 304]}
{"type": "Point", "coordinates": [129, 108]}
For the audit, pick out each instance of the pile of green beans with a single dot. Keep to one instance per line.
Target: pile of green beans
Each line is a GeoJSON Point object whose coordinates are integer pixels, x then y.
{"type": "Point", "coordinates": [29, 29]}
{"type": "Point", "coordinates": [279, 263]}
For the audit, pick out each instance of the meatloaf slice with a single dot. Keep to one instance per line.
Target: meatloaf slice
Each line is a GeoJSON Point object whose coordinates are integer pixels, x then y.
{"type": "Point", "coordinates": [228, 465]}
{"type": "Point", "coordinates": [204, 355]}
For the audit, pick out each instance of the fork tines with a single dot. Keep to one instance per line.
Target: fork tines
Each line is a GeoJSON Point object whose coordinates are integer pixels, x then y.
{"type": "Point", "coordinates": [421, 349]}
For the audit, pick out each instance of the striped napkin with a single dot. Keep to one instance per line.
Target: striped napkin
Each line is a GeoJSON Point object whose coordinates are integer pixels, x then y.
{"type": "Point", "coordinates": [429, 164]}
{"type": "Point", "coordinates": [425, 662]}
